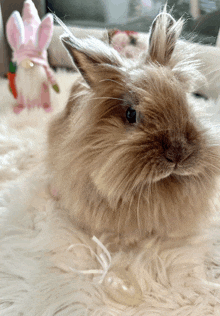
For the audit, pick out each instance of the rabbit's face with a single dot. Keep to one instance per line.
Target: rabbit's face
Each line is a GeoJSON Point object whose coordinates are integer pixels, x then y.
{"type": "Point", "coordinates": [129, 148]}
{"type": "Point", "coordinates": [143, 130]}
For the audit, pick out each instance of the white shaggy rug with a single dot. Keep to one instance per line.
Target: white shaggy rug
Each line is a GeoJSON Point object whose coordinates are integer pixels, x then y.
{"type": "Point", "coordinates": [46, 263]}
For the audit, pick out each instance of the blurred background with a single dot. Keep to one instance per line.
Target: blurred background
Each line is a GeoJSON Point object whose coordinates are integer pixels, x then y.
{"type": "Point", "coordinates": [202, 16]}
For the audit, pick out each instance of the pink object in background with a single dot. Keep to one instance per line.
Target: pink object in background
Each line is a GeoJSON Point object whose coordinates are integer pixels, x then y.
{"type": "Point", "coordinates": [45, 97]}
{"type": "Point", "coordinates": [29, 38]}
{"type": "Point", "coordinates": [127, 43]}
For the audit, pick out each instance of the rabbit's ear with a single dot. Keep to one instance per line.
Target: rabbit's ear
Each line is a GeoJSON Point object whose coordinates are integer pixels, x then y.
{"type": "Point", "coordinates": [15, 30]}
{"type": "Point", "coordinates": [163, 36]}
{"type": "Point", "coordinates": [89, 55]}
{"type": "Point", "coordinates": [45, 32]}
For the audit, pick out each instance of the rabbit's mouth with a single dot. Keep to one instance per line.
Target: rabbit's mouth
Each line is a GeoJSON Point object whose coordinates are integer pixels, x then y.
{"type": "Point", "coordinates": [160, 176]}
{"type": "Point", "coordinates": [181, 172]}
{"type": "Point", "coordinates": [185, 169]}
{"type": "Point", "coordinates": [175, 170]}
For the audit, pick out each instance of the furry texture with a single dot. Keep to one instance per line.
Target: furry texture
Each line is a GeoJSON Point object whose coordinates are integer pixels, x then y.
{"type": "Point", "coordinates": [43, 249]}
{"type": "Point", "coordinates": [156, 175]}
{"type": "Point", "coordinates": [177, 277]}
{"type": "Point", "coordinates": [32, 80]}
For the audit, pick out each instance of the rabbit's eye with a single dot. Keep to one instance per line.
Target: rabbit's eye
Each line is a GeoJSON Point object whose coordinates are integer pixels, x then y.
{"type": "Point", "coordinates": [131, 115]}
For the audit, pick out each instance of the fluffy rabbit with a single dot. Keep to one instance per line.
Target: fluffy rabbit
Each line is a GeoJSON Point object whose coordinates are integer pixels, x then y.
{"type": "Point", "coordinates": [129, 154]}
{"type": "Point", "coordinates": [29, 39]}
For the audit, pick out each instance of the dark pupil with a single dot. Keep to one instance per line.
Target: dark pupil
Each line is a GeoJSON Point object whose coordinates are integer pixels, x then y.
{"type": "Point", "coordinates": [131, 115]}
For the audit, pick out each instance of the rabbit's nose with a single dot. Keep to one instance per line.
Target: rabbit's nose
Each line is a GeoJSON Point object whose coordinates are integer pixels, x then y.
{"type": "Point", "coordinates": [176, 152]}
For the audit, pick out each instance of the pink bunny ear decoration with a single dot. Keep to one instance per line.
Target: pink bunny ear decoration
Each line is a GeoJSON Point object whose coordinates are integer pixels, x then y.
{"type": "Point", "coordinates": [15, 30]}
{"type": "Point", "coordinates": [45, 32]}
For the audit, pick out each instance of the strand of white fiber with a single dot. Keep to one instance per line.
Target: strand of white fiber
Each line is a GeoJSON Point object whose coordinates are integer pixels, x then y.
{"type": "Point", "coordinates": [104, 259]}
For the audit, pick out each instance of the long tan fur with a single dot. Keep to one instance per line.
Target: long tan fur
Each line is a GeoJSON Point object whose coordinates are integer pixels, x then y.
{"type": "Point", "coordinates": [155, 175]}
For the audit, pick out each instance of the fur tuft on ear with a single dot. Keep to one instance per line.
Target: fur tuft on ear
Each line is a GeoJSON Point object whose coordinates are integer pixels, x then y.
{"type": "Point", "coordinates": [88, 54]}
{"type": "Point", "coordinates": [164, 33]}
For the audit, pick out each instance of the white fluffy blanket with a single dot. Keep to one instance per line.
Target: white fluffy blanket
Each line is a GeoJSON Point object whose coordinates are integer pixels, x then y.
{"type": "Point", "coordinates": [43, 257]}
